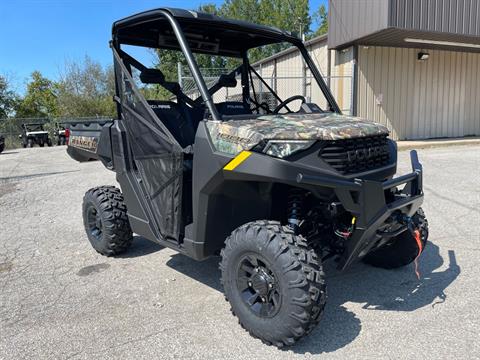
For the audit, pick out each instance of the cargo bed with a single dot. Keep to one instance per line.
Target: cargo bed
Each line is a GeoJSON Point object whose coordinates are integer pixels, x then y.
{"type": "Point", "coordinates": [90, 140]}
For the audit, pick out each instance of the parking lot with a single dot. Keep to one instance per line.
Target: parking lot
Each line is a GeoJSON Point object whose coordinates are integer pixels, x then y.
{"type": "Point", "coordinates": [60, 299]}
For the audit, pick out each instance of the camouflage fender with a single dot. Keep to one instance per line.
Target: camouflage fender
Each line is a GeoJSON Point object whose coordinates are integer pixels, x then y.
{"type": "Point", "coordinates": [236, 135]}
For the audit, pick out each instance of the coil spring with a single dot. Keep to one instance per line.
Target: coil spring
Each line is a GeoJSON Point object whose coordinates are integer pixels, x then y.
{"type": "Point", "coordinates": [295, 207]}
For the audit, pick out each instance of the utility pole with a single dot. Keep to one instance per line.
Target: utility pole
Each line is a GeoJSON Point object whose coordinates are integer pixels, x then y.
{"type": "Point", "coordinates": [301, 33]}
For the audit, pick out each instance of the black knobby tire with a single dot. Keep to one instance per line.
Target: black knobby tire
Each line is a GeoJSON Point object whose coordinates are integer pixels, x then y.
{"type": "Point", "coordinates": [297, 271]}
{"type": "Point", "coordinates": [2, 147]}
{"type": "Point", "coordinates": [41, 144]}
{"type": "Point", "coordinates": [49, 143]}
{"type": "Point", "coordinates": [105, 220]}
{"type": "Point", "coordinates": [29, 143]}
{"type": "Point", "coordinates": [402, 249]}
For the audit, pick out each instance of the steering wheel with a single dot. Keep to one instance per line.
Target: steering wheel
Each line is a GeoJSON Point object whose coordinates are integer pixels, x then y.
{"type": "Point", "coordinates": [262, 105]}
{"type": "Point", "coordinates": [284, 103]}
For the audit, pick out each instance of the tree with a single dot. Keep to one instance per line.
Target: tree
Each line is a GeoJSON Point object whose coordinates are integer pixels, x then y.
{"type": "Point", "coordinates": [86, 89]}
{"type": "Point", "coordinates": [321, 17]}
{"type": "Point", "coordinates": [40, 99]}
{"type": "Point", "coordinates": [8, 98]}
{"type": "Point", "coordinates": [291, 15]}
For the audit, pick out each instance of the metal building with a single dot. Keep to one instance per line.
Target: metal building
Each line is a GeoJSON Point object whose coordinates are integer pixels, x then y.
{"type": "Point", "coordinates": [413, 65]}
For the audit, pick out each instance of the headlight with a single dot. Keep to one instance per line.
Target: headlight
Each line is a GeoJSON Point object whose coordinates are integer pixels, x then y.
{"type": "Point", "coordinates": [284, 148]}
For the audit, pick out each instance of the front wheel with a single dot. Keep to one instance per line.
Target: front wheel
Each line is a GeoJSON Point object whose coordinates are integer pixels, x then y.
{"type": "Point", "coordinates": [30, 143]}
{"type": "Point", "coordinates": [105, 220]}
{"type": "Point", "coordinates": [274, 282]}
{"type": "Point", "coordinates": [402, 249]}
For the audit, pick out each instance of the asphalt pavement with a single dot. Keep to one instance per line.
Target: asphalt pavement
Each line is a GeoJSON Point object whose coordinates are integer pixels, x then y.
{"type": "Point", "coordinates": [59, 299]}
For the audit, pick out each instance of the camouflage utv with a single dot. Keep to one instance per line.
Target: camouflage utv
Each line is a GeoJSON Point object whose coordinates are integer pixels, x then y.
{"type": "Point", "coordinates": [275, 188]}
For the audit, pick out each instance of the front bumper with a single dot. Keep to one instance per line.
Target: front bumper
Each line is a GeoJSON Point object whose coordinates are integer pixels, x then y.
{"type": "Point", "coordinates": [366, 200]}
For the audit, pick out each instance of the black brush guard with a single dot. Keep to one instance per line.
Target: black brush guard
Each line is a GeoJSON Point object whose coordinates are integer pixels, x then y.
{"type": "Point", "coordinates": [366, 200]}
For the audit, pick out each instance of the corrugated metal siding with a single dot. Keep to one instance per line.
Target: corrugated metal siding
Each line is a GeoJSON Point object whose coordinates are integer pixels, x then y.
{"type": "Point", "coordinates": [341, 81]}
{"type": "Point", "coordinates": [352, 19]}
{"type": "Point", "coordinates": [450, 16]}
{"type": "Point", "coordinates": [420, 99]}
{"type": "Point", "coordinates": [290, 65]}
{"type": "Point", "coordinates": [288, 70]}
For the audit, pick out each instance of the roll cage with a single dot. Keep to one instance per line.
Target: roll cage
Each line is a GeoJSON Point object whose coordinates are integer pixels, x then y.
{"type": "Point", "coordinates": [195, 32]}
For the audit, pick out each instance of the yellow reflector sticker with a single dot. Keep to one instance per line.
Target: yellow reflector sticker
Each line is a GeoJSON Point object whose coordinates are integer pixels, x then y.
{"type": "Point", "coordinates": [237, 160]}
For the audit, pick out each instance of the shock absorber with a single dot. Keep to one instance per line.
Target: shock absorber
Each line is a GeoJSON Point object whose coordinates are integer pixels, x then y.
{"type": "Point", "coordinates": [295, 207]}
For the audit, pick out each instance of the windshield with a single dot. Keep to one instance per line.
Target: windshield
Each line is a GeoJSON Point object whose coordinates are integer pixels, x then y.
{"type": "Point", "coordinates": [254, 85]}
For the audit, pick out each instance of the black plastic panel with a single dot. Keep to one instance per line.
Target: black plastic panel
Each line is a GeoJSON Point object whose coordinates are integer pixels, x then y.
{"type": "Point", "coordinates": [352, 156]}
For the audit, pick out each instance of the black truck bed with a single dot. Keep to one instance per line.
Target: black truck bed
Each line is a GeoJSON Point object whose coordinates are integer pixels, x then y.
{"type": "Point", "coordinates": [90, 140]}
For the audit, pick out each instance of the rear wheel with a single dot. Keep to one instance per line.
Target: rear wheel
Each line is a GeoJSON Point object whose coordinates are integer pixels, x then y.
{"type": "Point", "coordinates": [105, 220]}
{"type": "Point", "coordinates": [49, 142]}
{"type": "Point", "coordinates": [402, 249]}
{"type": "Point", "coordinates": [274, 282]}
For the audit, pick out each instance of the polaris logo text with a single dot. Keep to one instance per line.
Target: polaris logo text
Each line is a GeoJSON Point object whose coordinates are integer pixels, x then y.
{"type": "Point", "coordinates": [367, 153]}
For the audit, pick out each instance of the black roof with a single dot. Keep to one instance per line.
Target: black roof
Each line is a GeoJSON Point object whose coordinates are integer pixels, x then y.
{"type": "Point", "coordinates": [205, 33]}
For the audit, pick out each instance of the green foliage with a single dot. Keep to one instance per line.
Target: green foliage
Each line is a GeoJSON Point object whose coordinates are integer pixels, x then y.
{"type": "Point", "coordinates": [86, 89]}
{"type": "Point", "coordinates": [291, 15]}
{"type": "Point", "coordinates": [11, 128]}
{"type": "Point", "coordinates": [321, 17]}
{"type": "Point", "coordinates": [8, 98]}
{"type": "Point", "coordinates": [40, 99]}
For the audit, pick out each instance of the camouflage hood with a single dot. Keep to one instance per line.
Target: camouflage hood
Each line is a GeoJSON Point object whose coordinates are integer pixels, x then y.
{"type": "Point", "coordinates": [236, 135]}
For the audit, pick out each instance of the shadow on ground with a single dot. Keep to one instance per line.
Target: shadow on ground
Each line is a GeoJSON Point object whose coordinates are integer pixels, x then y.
{"type": "Point", "coordinates": [9, 152]}
{"type": "Point", "coordinates": [140, 247]}
{"type": "Point", "coordinates": [31, 176]}
{"type": "Point", "coordinates": [377, 289]}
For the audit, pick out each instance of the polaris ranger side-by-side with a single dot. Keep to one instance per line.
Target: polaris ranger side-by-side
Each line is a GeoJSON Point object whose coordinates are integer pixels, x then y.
{"type": "Point", "coordinates": [34, 133]}
{"type": "Point", "coordinates": [274, 187]}
{"type": "Point", "coordinates": [61, 134]}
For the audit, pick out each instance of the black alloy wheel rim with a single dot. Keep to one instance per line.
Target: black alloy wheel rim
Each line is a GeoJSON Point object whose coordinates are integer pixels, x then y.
{"type": "Point", "coordinates": [258, 286]}
{"type": "Point", "coordinates": [95, 224]}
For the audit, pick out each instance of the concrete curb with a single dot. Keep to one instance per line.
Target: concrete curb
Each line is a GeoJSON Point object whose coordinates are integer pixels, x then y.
{"type": "Point", "coordinates": [426, 144]}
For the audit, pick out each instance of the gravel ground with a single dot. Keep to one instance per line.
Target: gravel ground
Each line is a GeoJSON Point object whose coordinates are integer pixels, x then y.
{"type": "Point", "coordinates": [60, 299]}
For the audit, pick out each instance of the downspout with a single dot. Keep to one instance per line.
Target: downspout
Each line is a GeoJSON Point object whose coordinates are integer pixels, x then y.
{"type": "Point", "coordinates": [353, 104]}
{"type": "Point", "coordinates": [304, 79]}
{"type": "Point", "coordinates": [329, 64]}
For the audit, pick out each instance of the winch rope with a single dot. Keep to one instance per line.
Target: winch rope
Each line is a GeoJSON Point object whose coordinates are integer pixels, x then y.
{"type": "Point", "coordinates": [417, 236]}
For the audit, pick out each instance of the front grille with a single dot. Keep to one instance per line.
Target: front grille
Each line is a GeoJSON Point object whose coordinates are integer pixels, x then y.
{"type": "Point", "coordinates": [351, 156]}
